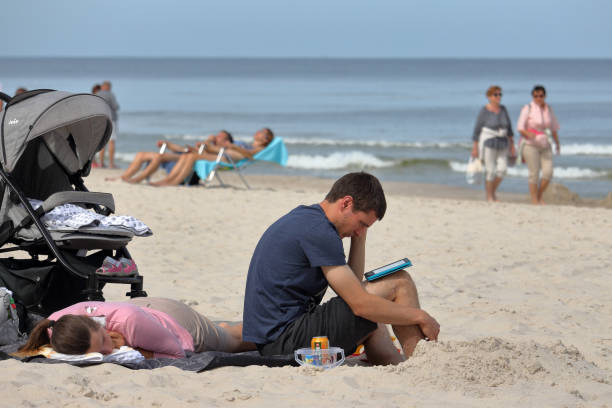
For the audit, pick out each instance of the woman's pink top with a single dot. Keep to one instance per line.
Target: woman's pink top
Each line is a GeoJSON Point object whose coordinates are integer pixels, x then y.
{"type": "Point", "coordinates": [534, 117]}
{"type": "Point", "coordinates": [140, 326]}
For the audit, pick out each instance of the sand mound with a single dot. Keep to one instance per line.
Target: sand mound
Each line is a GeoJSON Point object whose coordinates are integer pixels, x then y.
{"type": "Point", "coordinates": [559, 194]}
{"type": "Point", "coordinates": [607, 202]}
{"type": "Point", "coordinates": [494, 362]}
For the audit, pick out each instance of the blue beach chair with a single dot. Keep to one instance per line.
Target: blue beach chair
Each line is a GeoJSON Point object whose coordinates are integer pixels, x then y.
{"type": "Point", "coordinates": [275, 152]}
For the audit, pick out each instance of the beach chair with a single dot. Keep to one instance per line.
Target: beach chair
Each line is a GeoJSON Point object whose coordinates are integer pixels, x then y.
{"type": "Point", "coordinates": [275, 152]}
{"type": "Point", "coordinates": [48, 142]}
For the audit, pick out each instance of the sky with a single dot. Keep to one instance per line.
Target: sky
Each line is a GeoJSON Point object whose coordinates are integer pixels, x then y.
{"type": "Point", "coordinates": [307, 28]}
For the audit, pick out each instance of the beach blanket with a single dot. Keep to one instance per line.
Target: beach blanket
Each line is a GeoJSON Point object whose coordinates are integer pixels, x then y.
{"type": "Point", "coordinates": [196, 362]}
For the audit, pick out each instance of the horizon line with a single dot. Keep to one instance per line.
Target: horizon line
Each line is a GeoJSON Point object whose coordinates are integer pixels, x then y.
{"type": "Point", "coordinates": [305, 57]}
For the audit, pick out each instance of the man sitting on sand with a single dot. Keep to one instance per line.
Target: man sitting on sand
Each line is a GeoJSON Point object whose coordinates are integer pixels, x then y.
{"type": "Point", "coordinates": [154, 160]}
{"type": "Point", "coordinates": [302, 253]}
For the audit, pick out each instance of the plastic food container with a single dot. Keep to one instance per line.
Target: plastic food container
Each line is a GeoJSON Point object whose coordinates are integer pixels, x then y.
{"type": "Point", "coordinates": [322, 358]}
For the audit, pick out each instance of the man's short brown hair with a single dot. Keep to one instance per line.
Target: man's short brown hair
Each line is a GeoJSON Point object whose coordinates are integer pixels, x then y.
{"type": "Point", "coordinates": [365, 189]}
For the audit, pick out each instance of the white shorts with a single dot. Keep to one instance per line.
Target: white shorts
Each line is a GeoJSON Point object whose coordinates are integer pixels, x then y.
{"type": "Point", "coordinates": [496, 163]}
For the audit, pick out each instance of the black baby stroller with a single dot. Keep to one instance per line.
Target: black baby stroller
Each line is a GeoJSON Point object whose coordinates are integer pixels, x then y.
{"type": "Point", "coordinates": [48, 141]}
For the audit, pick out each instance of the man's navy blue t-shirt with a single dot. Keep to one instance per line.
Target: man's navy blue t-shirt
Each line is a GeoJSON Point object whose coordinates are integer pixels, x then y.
{"type": "Point", "coordinates": [285, 274]}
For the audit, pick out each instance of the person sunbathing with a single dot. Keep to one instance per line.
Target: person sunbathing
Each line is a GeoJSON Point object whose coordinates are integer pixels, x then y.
{"type": "Point", "coordinates": [154, 159]}
{"type": "Point", "coordinates": [236, 151]}
{"type": "Point", "coordinates": [156, 327]}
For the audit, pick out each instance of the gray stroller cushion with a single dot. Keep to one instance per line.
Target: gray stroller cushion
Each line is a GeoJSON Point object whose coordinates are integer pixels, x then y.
{"type": "Point", "coordinates": [77, 240]}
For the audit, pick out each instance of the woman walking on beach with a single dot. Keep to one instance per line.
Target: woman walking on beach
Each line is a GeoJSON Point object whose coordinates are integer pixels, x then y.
{"type": "Point", "coordinates": [157, 327]}
{"type": "Point", "coordinates": [538, 127]}
{"type": "Point", "coordinates": [493, 140]}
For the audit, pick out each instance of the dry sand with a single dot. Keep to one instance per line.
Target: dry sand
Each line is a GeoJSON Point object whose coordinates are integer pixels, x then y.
{"type": "Point", "coordinates": [522, 294]}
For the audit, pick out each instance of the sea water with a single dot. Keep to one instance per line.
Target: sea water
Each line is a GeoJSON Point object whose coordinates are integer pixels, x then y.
{"type": "Point", "coordinates": [400, 119]}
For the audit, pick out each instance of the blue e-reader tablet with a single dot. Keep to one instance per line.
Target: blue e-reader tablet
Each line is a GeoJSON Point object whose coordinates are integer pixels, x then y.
{"type": "Point", "coordinates": [387, 269]}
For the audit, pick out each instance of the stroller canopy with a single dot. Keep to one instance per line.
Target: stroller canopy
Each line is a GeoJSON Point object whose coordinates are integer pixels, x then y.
{"type": "Point", "coordinates": [73, 126]}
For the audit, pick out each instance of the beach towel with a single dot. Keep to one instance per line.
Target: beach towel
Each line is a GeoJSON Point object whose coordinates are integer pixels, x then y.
{"type": "Point", "coordinates": [196, 362]}
{"type": "Point", "coordinates": [120, 355]}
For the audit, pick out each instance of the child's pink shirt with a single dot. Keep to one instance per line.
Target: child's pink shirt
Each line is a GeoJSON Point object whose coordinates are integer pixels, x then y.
{"type": "Point", "coordinates": [140, 326]}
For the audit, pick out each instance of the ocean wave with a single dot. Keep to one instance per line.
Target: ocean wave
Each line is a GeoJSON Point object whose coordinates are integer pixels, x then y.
{"type": "Point", "coordinates": [424, 162]}
{"type": "Point", "coordinates": [335, 142]}
{"type": "Point", "coordinates": [566, 149]}
{"type": "Point", "coordinates": [336, 161]}
{"type": "Point", "coordinates": [125, 157]}
{"type": "Point", "coordinates": [586, 149]}
{"type": "Point", "coordinates": [187, 137]}
{"type": "Point", "coordinates": [372, 143]}
{"type": "Point", "coordinates": [558, 172]}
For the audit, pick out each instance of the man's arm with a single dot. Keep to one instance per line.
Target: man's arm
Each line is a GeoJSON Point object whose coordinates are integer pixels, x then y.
{"type": "Point", "coordinates": [231, 150]}
{"type": "Point", "coordinates": [172, 146]}
{"type": "Point", "coordinates": [356, 259]}
{"type": "Point", "coordinates": [374, 308]}
{"type": "Point", "coordinates": [177, 148]}
{"type": "Point", "coordinates": [245, 152]}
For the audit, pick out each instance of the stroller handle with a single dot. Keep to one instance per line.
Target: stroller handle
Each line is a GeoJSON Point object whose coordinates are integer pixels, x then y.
{"type": "Point", "coordinates": [5, 97]}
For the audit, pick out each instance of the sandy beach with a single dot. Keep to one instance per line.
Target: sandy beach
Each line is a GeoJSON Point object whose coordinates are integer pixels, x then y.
{"type": "Point", "coordinates": [522, 294]}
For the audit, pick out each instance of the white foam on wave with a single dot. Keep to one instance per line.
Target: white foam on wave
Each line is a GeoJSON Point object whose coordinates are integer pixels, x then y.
{"type": "Point", "coordinates": [197, 138]}
{"type": "Point", "coordinates": [336, 161]}
{"type": "Point", "coordinates": [371, 143]}
{"type": "Point", "coordinates": [566, 149]}
{"type": "Point", "coordinates": [331, 142]}
{"type": "Point", "coordinates": [126, 157]}
{"type": "Point", "coordinates": [586, 149]}
{"type": "Point", "coordinates": [558, 172]}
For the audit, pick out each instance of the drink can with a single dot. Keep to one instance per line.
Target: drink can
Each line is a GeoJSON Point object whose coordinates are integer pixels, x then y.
{"type": "Point", "coordinates": [319, 342]}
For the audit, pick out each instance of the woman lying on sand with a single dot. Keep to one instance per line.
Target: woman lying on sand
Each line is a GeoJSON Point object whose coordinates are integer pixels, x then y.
{"type": "Point", "coordinates": [154, 159]}
{"type": "Point", "coordinates": [237, 151]}
{"type": "Point", "coordinates": [157, 327]}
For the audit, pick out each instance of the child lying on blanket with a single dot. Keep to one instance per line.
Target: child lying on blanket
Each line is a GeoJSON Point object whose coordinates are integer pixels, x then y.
{"type": "Point", "coordinates": [157, 327]}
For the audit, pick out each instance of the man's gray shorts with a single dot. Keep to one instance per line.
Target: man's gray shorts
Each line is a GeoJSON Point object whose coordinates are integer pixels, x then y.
{"type": "Point", "coordinates": [333, 319]}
